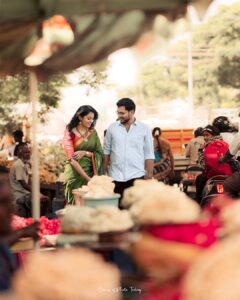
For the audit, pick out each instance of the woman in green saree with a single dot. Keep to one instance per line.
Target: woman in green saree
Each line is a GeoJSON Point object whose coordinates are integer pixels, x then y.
{"type": "Point", "coordinates": [83, 150]}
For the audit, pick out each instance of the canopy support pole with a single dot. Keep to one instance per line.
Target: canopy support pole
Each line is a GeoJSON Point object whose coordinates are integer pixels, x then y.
{"type": "Point", "coordinates": [33, 86]}
{"type": "Point", "coordinates": [190, 76]}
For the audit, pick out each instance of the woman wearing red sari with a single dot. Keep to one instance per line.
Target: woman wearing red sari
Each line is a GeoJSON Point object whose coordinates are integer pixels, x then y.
{"type": "Point", "coordinates": [83, 150]}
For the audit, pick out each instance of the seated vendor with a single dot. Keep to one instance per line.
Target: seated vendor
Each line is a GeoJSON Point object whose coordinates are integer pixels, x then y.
{"type": "Point", "coordinates": [8, 263]}
{"type": "Point", "coordinates": [19, 180]}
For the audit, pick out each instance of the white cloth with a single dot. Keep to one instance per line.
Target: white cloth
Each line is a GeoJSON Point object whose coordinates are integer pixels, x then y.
{"type": "Point", "coordinates": [235, 145]}
{"type": "Point", "coordinates": [227, 137]}
{"type": "Point", "coordinates": [128, 150]}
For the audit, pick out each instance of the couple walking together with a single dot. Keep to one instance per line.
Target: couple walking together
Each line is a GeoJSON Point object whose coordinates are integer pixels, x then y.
{"type": "Point", "coordinates": [127, 154]}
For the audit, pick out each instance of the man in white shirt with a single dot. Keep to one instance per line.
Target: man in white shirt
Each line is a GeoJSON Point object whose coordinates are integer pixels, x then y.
{"type": "Point", "coordinates": [128, 148]}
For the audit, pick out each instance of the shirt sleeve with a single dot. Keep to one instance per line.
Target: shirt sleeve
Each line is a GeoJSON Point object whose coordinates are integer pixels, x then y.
{"type": "Point", "coordinates": [187, 151]}
{"type": "Point", "coordinates": [235, 145]}
{"type": "Point", "coordinates": [107, 143]}
{"type": "Point", "coordinates": [19, 172]}
{"type": "Point", "coordinates": [148, 145]}
{"type": "Point", "coordinates": [68, 143]}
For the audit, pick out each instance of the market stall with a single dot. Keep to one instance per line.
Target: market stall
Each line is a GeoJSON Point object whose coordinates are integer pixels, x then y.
{"type": "Point", "coordinates": [95, 36]}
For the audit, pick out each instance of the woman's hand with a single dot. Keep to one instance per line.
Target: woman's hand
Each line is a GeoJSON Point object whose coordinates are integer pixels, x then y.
{"type": "Point", "coordinates": [79, 169]}
{"type": "Point", "coordinates": [79, 154]}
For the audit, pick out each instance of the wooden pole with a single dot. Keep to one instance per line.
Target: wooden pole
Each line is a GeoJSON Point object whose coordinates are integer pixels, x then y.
{"type": "Point", "coordinates": [190, 78]}
{"type": "Point", "coordinates": [33, 83]}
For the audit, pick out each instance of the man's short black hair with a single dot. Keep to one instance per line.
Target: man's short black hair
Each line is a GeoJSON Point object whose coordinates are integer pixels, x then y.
{"type": "Point", "coordinates": [18, 134]}
{"type": "Point", "coordinates": [127, 103]}
{"type": "Point", "coordinates": [198, 132]}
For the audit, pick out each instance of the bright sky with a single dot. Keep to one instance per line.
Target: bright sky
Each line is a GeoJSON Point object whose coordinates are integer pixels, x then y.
{"type": "Point", "coordinates": [124, 68]}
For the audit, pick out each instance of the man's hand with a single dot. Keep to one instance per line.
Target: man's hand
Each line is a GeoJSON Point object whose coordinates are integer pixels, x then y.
{"type": "Point", "coordinates": [30, 231]}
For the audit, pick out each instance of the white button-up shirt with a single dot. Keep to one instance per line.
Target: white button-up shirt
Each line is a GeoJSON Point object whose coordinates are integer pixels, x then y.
{"type": "Point", "coordinates": [128, 150]}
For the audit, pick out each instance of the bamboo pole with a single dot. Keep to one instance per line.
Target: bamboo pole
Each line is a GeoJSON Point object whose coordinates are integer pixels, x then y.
{"type": "Point", "coordinates": [190, 77]}
{"type": "Point", "coordinates": [33, 84]}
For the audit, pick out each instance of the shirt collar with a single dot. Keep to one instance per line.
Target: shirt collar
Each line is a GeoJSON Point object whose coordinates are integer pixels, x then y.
{"type": "Point", "coordinates": [134, 123]}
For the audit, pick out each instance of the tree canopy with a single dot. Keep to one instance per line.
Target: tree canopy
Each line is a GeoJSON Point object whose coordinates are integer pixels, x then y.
{"type": "Point", "coordinates": [15, 90]}
{"type": "Point", "coordinates": [216, 65]}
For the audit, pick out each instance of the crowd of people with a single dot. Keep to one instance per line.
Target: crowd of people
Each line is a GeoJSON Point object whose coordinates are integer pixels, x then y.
{"type": "Point", "coordinates": [130, 152]}
{"type": "Point", "coordinates": [215, 148]}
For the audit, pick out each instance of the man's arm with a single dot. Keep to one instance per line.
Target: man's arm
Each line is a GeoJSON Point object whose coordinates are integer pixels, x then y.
{"type": "Point", "coordinates": [106, 160]}
{"type": "Point", "coordinates": [107, 150]}
{"type": "Point", "coordinates": [149, 163]}
{"type": "Point", "coordinates": [28, 231]}
{"type": "Point", "coordinates": [25, 185]}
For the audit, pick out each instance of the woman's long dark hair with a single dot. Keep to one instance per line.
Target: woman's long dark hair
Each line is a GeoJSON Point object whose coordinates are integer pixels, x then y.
{"type": "Point", "coordinates": [82, 112]}
{"type": "Point", "coordinates": [155, 129]}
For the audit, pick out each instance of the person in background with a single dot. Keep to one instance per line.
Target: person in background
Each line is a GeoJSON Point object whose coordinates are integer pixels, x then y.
{"type": "Point", "coordinates": [6, 144]}
{"type": "Point", "coordinates": [104, 132]}
{"type": "Point", "coordinates": [164, 160]}
{"type": "Point", "coordinates": [232, 183]}
{"type": "Point", "coordinates": [21, 188]}
{"type": "Point", "coordinates": [83, 150]}
{"type": "Point", "coordinates": [211, 135]}
{"type": "Point", "coordinates": [8, 262]}
{"type": "Point", "coordinates": [128, 148]}
{"type": "Point", "coordinates": [18, 141]}
{"type": "Point", "coordinates": [194, 145]}
{"type": "Point", "coordinates": [225, 128]}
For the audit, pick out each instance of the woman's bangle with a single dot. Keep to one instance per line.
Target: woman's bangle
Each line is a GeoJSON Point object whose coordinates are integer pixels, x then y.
{"type": "Point", "coordinates": [148, 173]}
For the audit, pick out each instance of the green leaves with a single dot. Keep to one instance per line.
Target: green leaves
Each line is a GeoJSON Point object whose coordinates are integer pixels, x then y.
{"type": "Point", "coordinates": [215, 60]}
{"type": "Point", "coordinates": [15, 90]}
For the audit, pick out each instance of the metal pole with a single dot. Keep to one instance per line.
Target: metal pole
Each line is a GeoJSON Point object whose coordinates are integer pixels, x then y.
{"type": "Point", "coordinates": [190, 77]}
{"type": "Point", "coordinates": [33, 83]}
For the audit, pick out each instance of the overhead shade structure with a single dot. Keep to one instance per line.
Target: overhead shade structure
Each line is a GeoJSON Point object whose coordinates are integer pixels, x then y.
{"type": "Point", "coordinates": [100, 27]}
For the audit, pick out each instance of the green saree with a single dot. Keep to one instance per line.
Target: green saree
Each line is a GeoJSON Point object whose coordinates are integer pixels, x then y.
{"type": "Point", "coordinates": [72, 180]}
